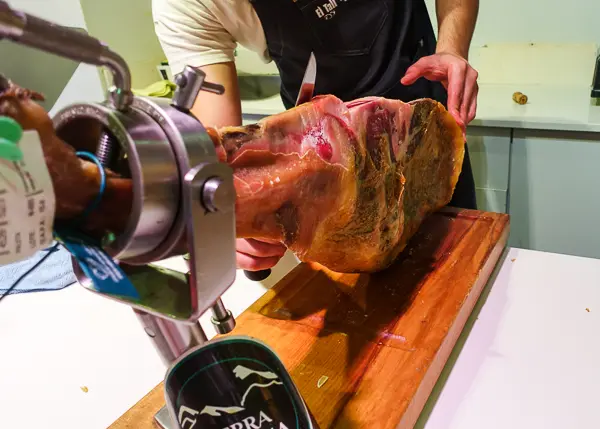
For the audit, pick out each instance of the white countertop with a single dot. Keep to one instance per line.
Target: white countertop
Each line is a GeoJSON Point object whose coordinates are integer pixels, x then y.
{"type": "Point", "coordinates": [556, 79]}
{"type": "Point", "coordinates": [531, 360]}
{"type": "Point", "coordinates": [532, 357]}
{"type": "Point", "coordinates": [566, 107]}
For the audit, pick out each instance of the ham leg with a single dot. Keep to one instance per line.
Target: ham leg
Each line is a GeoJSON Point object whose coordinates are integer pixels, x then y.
{"type": "Point", "coordinates": [343, 184]}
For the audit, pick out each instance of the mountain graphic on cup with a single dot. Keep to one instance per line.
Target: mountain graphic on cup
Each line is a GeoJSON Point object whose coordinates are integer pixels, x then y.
{"type": "Point", "coordinates": [241, 372]}
{"type": "Point", "coordinates": [234, 383]}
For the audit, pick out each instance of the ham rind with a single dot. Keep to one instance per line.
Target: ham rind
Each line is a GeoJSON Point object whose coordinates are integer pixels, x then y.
{"type": "Point", "coordinates": [345, 185]}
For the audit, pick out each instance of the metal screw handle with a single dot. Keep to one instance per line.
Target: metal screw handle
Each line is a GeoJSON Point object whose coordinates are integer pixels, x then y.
{"type": "Point", "coordinates": [189, 83]}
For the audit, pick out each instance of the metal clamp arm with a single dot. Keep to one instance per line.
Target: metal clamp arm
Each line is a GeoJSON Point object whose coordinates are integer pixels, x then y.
{"type": "Point", "coordinates": [69, 43]}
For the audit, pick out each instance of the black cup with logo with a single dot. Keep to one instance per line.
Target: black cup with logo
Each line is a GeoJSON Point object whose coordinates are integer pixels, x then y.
{"type": "Point", "coordinates": [234, 383]}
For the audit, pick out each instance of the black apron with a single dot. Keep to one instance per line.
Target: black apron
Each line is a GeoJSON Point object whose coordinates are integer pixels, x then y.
{"type": "Point", "coordinates": [362, 48]}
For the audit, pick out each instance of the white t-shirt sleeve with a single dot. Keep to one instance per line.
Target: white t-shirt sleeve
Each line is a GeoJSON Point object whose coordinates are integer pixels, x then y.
{"type": "Point", "coordinates": [190, 34]}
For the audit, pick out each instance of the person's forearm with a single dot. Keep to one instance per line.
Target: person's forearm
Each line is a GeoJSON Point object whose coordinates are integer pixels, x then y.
{"type": "Point", "coordinates": [456, 24]}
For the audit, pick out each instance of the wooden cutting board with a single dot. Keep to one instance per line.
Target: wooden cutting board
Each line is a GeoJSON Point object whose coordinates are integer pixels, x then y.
{"type": "Point", "coordinates": [379, 341]}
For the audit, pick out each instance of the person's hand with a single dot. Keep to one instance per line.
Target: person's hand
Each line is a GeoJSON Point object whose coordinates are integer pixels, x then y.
{"type": "Point", "coordinates": [457, 76]}
{"type": "Point", "coordinates": [254, 255]}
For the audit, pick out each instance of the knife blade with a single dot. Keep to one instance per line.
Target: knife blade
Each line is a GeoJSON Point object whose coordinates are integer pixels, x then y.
{"type": "Point", "coordinates": [307, 87]}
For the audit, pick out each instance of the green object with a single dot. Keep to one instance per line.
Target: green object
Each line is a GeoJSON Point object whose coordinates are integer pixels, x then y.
{"type": "Point", "coordinates": [160, 289]}
{"type": "Point", "coordinates": [162, 88]}
{"type": "Point", "coordinates": [10, 135]}
{"type": "Point", "coordinates": [108, 239]}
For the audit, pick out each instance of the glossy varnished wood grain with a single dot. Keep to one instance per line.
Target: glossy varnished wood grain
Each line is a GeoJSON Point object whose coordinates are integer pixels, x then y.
{"type": "Point", "coordinates": [141, 415]}
{"type": "Point", "coordinates": [380, 339]}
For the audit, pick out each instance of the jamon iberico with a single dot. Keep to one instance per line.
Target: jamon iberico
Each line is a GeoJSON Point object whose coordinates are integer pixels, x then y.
{"type": "Point", "coordinates": [345, 185]}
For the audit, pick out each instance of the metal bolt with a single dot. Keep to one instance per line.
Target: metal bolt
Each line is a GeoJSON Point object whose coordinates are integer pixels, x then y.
{"type": "Point", "coordinates": [180, 80]}
{"type": "Point", "coordinates": [222, 318]}
{"type": "Point", "coordinates": [216, 195]}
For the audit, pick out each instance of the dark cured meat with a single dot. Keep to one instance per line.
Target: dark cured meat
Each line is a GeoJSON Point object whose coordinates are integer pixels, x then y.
{"type": "Point", "coordinates": [76, 181]}
{"type": "Point", "coordinates": [345, 185]}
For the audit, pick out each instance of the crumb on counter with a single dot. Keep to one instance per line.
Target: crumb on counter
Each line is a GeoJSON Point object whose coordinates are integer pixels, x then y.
{"type": "Point", "coordinates": [322, 381]}
{"type": "Point", "coordinates": [587, 309]}
{"type": "Point", "coordinates": [513, 259]}
{"type": "Point", "coordinates": [84, 389]}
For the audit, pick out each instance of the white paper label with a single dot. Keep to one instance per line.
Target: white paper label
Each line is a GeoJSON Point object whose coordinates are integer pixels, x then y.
{"type": "Point", "coordinates": [27, 203]}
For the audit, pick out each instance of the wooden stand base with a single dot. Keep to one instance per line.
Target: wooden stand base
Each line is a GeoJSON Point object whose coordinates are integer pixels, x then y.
{"type": "Point", "coordinates": [365, 350]}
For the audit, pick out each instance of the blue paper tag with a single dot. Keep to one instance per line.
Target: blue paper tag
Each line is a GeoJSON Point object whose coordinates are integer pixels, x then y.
{"type": "Point", "coordinates": [103, 271]}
